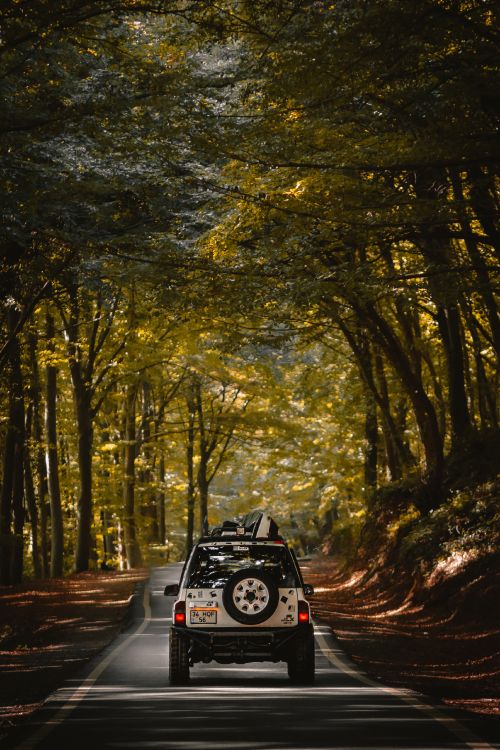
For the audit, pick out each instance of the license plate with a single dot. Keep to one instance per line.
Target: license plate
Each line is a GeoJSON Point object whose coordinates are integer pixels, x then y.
{"type": "Point", "coordinates": [203, 616]}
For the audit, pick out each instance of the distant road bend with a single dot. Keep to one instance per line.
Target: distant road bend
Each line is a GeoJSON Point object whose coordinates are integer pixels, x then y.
{"type": "Point", "coordinates": [123, 700]}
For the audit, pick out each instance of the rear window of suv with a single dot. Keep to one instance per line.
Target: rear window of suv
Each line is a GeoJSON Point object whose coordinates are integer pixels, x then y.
{"type": "Point", "coordinates": [212, 566]}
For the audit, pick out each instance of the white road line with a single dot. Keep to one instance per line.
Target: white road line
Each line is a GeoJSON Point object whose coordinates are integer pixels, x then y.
{"type": "Point", "coordinates": [81, 691]}
{"type": "Point", "coordinates": [455, 727]}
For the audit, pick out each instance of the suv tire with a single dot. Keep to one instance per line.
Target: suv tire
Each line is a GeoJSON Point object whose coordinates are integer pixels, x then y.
{"type": "Point", "coordinates": [250, 596]}
{"type": "Point", "coordinates": [178, 659]}
{"type": "Point", "coordinates": [301, 662]}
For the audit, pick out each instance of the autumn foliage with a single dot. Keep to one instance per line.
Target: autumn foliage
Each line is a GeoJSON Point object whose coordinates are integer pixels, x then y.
{"type": "Point", "coordinates": [250, 256]}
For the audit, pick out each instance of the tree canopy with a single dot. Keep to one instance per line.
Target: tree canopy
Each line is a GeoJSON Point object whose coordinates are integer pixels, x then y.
{"type": "Point", "coordinates": [250, 257]}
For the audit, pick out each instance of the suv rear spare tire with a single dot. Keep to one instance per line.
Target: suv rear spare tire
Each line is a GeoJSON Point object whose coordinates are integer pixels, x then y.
{"type": "Point", "coordinates": [250, 596]}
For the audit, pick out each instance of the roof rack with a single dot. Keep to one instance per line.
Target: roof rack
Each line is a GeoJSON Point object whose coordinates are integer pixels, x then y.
{"type": "Point", "coordinates": [255, 525]}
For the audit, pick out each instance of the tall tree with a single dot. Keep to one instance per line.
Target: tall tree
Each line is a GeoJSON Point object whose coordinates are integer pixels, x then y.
{"type": "Point", "coordinates": [38, 448]}
{"type": "Point", "coordinates": [87, 379]}
{"type": "Point", "coordinates": [52, 458]}
{"type": "Point", "coordinates": [132, 547]}
{"type": "Point", "coordinates": [12, 514]}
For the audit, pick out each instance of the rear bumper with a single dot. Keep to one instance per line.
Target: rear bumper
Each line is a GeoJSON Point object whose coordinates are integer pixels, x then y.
{"type": "Point", "coordinates": [242, 645]}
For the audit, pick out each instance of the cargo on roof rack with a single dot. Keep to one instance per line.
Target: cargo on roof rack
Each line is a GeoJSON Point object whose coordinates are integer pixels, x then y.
{"type": "Point", "coordinates": [255, 525]}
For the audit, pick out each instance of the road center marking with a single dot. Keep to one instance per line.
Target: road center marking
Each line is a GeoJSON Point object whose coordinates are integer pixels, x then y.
{"type": "Point", "coordinates": [453, 725]}
{"type": "Point", "coordinates": [81, 691]}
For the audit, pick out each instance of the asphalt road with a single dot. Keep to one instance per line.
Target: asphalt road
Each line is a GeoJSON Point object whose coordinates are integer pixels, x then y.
{"type": "Point", "coordinates": [123, 700]}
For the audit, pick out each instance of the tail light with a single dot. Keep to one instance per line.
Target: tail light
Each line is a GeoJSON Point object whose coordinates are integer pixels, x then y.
{"type": "Point", "coordinates": [304, 615]}
{"type": "Point", "coordinates": [180, 613]}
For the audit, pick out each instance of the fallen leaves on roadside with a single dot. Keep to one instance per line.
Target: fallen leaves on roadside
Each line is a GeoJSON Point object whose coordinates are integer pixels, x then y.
{"type": "Point", "coordinates": [50, 628]}
{"type": "Point", "coordinates": [444, 640]}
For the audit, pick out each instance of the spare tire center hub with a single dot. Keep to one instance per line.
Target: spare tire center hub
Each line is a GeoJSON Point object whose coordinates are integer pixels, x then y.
{"type": "Point", "coordinates": [250, 592]}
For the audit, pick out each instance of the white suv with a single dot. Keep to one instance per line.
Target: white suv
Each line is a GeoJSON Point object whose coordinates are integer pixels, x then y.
{"type": "Point", "coordinates": [241, 598]}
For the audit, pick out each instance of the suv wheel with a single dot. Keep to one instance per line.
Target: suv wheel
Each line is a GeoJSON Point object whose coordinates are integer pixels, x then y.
{"type": "Point", "coordinates": [178, 659]}
{"type": "Point", "coordinates": [301, 661]}
{"type": "Point", "coordinates": [250, 596]}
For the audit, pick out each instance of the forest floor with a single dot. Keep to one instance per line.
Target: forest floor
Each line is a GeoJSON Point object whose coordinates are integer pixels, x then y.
{"type": "Point", "coordinates": [48, 629]}
{"type": "Point", "coordinates": [442, 639]}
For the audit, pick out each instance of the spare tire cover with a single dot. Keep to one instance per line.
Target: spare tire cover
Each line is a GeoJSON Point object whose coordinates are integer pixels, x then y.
{"type": "Point", "coordinates": [250, 596]}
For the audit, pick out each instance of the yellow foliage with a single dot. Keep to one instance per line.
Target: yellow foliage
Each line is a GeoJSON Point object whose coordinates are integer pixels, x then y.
{"type": "Point", "coordinates": [405, 519]}
{"type": "Point", "coordinates": [301, 487]}
{"type": "Point", "coordinates": [297, 190]}
{"type": "Point", "coordinates": [108, 447]}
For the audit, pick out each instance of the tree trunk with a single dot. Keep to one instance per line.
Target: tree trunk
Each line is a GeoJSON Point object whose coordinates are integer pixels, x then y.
{"type": "Point", "coordinates": [81, 378]}
{"type": "Point", "coordinates": [160, 501]}
{"type": "Point", "coordinates": [11, 501]}
{"type": "Point", "coordinates": [203, 493]}
{"type": "Point", "coordinates": [396, 454]}
{"type": "Point", "coordinates": [6, 541]}
{"type": "Point", "coordinates": [44, 526]}
{"type": "Point", "coordinates": [41, 469]}
{"type": "Point", "coordinates": [16, 563]}
{"type": "Point", "coordinates": [393, 440]}
{"type": "Point", "coordinates": [449, 326]}
{"type": "Point", "coordinates": [202, 474]}
{"type": "Point", "coordinates": [17, 420]}
{"type": "Point", "coordinates": [424, 411]}
{"type": "Point", "coordinates": [84, 420]}
{"type": "Point", "coordinates": [482, 188]}
{"type": "Point", "coordinates": [148, 506]}
{"type": "Point", "coordinates": [435, 247]}
{"type": "Point", "coordinates": [57, 531]}
{"type": "Point", "coordinates": [30, 494]}
{"type": "Point", "coordinates": [107, 540]}
{"type": "Point", "coordinates": [134, 559]}
{"type": "Point", "coordinates": [485, 392]}
{"type": "Point", "coordinates": [371, 437]}
{"type": "Point", "coordinates": [190, 475]}
{"type": "Point", "coordinates": [481, 269]}
{"type": "Point", "coordinates": [204, 455]}
{"type": "Point", "coordinates": [371, 422]}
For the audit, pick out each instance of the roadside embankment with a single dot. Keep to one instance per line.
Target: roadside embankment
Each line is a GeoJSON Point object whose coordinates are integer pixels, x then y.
{"type": "Point", "coordinates": [440, 636]}
{"type": "Point", "coordinates": [48, 629]}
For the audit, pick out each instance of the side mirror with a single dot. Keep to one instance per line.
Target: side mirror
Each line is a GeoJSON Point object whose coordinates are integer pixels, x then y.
{"type": "Point", "coordinates": [308, 589]}
{"type": "Point", "coordinates": [172, 589]}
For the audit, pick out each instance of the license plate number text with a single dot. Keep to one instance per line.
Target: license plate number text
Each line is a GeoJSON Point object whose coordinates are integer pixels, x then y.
{"type": "Point", "coordinates": [203, 616]}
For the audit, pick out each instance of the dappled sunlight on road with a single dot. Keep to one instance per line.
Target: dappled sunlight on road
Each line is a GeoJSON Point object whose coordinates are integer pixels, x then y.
{"type": "Point", "coordinates": [253, 708]}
